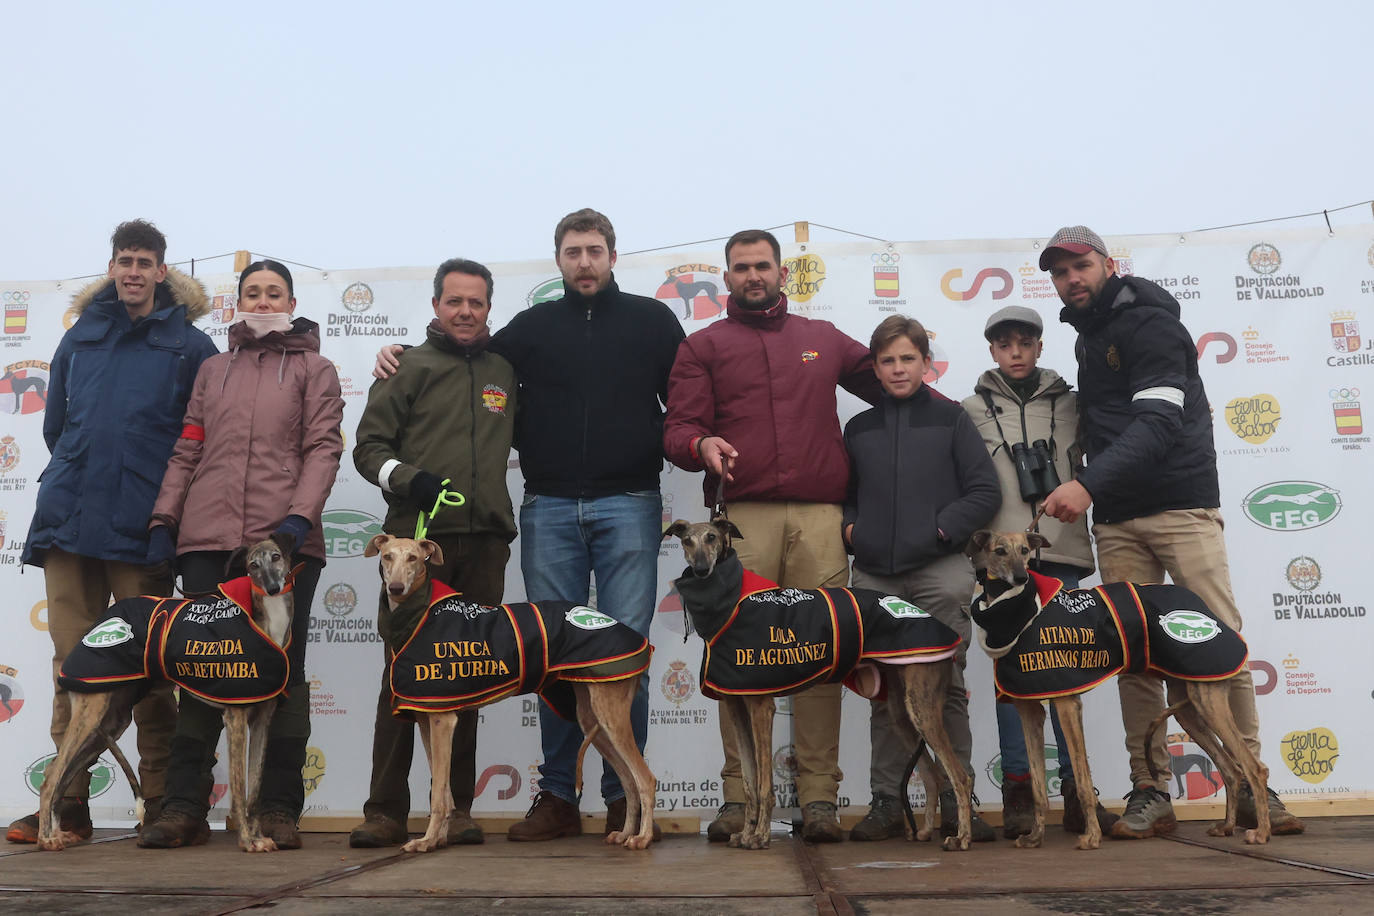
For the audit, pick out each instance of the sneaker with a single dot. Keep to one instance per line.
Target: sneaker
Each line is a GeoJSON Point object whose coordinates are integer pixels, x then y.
{"type": "Point", "coordinates": [980, 831]}
{"type": "Point", "coordinates": [280, 828]}
{"type": "Point", "coordinates": [1074, 821]}
{"type": "Point", "coordinates": [73, 816]}
{"type": "Point", "coordinates": [1018, 807]}
{"type": "Point", "coordinates": [549, 818]}
{"type": "Point", "coordinates": [1149, 812]}
{"type": "Point", "coordinates": [1282, 822]}
{"type": "Point", "coordinates": [464, 831]}
{"type": "Point", "coordinates": [615, 819]}
{"type": "Point", "coordinates": [174, 829]}
{"type": "Point", "coordinates": [729, 821]}
{"type": "Point", "coordinates": [883, 821]}
{"type": "Point", "coordinates": [820, 823]}
{"type": "Point", "coordinates": [376, 832]}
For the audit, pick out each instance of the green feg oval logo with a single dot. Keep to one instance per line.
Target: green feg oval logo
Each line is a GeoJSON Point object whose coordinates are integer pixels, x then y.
{"type": "Point", "coordinates": [1189, 626]}
{"type": "Point", "coordinates": [1292, 505]}
{"type": "Point", "coordinates": [108, 633]}
{"type": "Point", "coordinates": [900, 608]}
{"type": "Point", "coordinates": [347, 531]}
{"type": "Point", "coordinates": [547, 291]}
{"type": "Point", "coordinates": [585, 618]}
{"type": "Point", "coordinates": [102, 775]}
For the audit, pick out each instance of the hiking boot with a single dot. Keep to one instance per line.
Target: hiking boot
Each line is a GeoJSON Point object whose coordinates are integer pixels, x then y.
{"type": "Point", "coordinates": [1018, 806]}
{"type": "Point", "coordinates": [882, 822]}
{"type": "Point", "coordinates": [1074, 821]}
{"type": "Point", "coordinates": [615, 819]}
{"type": "Point", "coordinates": [464, 831]}
{"type": "Point", "coordinates": [1149, 812]}
{"type": "Point", "coordinates": [174, 829]}
{"type": "Point", "coordinates": [549, 818]}
{"type": "Point", "coordinates": [820, 823]}
{"type": "Point", "coordinates": [1282, 822]}
{"type": "Point", "coordinates": [280, 828]}
{"type": "Point", "coordinates": [73, 816]}
{"type": "Point", "coordinates": [152, 810]}
{"type": "Point", "coordinates": [376, 832]}
{"type": "Point", "coordinates": [729, 820]}
{"type": "Point", "coordinates": [980, 831]}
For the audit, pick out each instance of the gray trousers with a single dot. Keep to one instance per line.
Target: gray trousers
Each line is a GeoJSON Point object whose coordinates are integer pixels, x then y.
{"type": "Point", "coordinates": [943, 588]}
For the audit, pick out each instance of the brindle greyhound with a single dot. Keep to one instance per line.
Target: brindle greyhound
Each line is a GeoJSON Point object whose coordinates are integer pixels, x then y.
{"type": "Point", "coordinates": [603, 711]}
{"type": "Point", "coordinates": [915, 694]}
{"type": "Point", "coordinates": [98, 719]}
{"type": "Point", "coordinates": [1000, 559]}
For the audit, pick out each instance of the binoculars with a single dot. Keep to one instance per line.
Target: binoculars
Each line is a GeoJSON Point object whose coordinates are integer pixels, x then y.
{"type": "Point", "coordinates": [1035, 473]}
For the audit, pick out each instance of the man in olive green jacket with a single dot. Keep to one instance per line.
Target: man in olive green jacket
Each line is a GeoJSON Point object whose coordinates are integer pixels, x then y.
{"type": "Point", "coordinates": [447, 414]}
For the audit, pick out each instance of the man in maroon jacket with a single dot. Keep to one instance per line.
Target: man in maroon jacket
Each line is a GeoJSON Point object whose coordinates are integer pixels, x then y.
{"type": "Point", "coordinates": [752, 398]}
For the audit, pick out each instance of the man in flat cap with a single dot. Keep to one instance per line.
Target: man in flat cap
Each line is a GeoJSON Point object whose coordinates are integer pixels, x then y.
{"type": "Point", "coordinates": [1151, 480]}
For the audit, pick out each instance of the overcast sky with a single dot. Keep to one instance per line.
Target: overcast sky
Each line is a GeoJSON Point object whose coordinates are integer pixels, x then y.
{"type": "Point", "coordinates": [385, 134]}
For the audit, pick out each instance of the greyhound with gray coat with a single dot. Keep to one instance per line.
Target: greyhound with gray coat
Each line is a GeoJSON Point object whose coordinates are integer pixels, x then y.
{"type": "Point", "coordinates": [763, 641]}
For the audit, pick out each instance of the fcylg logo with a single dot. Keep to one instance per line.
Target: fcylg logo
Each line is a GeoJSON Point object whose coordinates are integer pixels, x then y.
{"type": "Point", "coordinates": [102, 775]}
{"type": "Point", "coordinates": [347, 531]}
{"type": "Point", "coordinates": [11, 693]}
{"type": "Point", "coordinates": [697, 287]}
{"type": "Point", "coordinates": [26, 383]}
{"type": "Point", "coordinates": [1194, 774]}
{"type": "Point", "coordinates": [1292, 505]}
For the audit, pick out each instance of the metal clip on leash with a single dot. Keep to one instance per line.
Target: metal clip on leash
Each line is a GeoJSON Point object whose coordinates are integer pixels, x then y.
{"type": "Point", "coordinates": [1034, 528]}
{"type": "Point", "coordinates": [445, 498]}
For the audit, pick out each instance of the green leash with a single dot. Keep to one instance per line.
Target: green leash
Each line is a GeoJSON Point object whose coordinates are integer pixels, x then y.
{"type": "Point", "coordinates": [445, 498]}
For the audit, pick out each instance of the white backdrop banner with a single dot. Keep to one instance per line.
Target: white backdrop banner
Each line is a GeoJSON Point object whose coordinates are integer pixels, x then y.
{"type": "Point", "coordinates": [1282, 320]}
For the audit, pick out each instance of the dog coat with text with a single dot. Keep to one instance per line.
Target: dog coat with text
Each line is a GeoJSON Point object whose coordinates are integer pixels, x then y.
{"type": "Point", "coordinates": [209, 646]}
{"type": "Point", "coordinates": [777, 641]}
{"type": "Point", "coordinates": [1049, 641]}
{"type": "Point", "coordinates": [460, 654]}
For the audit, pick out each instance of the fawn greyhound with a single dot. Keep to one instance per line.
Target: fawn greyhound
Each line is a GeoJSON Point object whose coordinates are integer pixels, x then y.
{"type": "Point", "coordinates": [452, 654]}
{"type": "Point", "coordinates": [1050, 643]}
{"type": "Point", "coordinates": [868, 639]}
{"type": "Point", "coordinates": [198, 643]}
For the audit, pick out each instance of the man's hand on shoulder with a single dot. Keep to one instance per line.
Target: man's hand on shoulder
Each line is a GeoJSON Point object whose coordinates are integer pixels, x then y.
{"type": "Point", "coordinates": [388, 361]}
{"type": "Point", "coordinates": [1068, 502]}
{"type": "Point", "coordinates": [718, 456]}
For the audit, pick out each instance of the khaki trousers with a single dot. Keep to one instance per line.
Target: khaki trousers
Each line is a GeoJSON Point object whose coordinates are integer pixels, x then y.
{"type": "Point", "coordinates": [1188, 545]}
{"type": "Point", "coordinates": [79, 590]}
{"type": "Point", "coordinates": [797, 545]}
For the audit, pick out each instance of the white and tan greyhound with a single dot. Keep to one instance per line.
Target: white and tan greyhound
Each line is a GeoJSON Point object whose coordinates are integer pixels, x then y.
{"type": "Point", "coordinates": [138, 641]}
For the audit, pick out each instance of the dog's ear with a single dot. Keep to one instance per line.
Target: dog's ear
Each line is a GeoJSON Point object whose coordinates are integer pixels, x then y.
{"type": "Point", "coordinates": [725, 526]}
{"type": "Point", "coordinates": [978, 543]}
{"type": "Point", "coordinates": [676, 530]}
{"type": "Point", "coordinates": [238, 558]}
{"type": "Point", "coordinates": [434, 554]}
{"type": "Point", "coordinates": [285, 543]}
{"type": "Point", "coordinates": [1035, 540]}
{"type": "Point", "coordinates": [374, 546]}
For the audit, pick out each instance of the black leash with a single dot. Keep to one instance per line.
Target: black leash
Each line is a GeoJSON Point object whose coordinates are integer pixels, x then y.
{"type": "Point", "coordinates": [906, 784]}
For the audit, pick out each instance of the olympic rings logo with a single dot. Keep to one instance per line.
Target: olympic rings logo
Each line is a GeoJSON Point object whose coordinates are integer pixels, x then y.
{"type": "Point", "coordinates": [16, 295]}
{"type": "Point", "coordinates": [1344, 394]}
{"type": "Point", "coordinates": [886, 257]}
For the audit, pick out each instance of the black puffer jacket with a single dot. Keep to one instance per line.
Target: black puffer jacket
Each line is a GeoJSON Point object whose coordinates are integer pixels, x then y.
{"type": "Point", "coordinates": [1144, 420]}
{"type": "Point", "coordinates": [593, 380]}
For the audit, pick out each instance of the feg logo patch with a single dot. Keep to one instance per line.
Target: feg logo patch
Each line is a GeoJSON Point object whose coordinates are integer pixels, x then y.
{"type": "Point", "coordinates": [108, 633]}
{"type": "Point", "coordinates": [1189, 626]}
{"type": "Point", "coordinates": [900, 608]}
{"type": "Point", "coordinates": [585, 618]}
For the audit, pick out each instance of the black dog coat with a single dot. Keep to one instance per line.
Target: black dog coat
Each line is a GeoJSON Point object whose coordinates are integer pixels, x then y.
{"type": "Point", "coordinates": [1049, 641]}
{"type": "Point", "coordinates": [461, 654]}
{"type": "Point", "coordinates": [777, 641]}
{"type": "Point", "coordinates": [209, 646]}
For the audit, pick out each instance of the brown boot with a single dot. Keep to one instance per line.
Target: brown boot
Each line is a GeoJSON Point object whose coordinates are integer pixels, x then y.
{"type": "Point", "coordinates": [820, 824]}
{"type": "Point", "coordinates": [729, 821]}
{"type": "Point", "coordinates": [280, 828]}
{"type": "Point", "coordinates": [1074, 821]}
{"type": "Point", "coordinates": [376, 832]}
{"type": "Point", "coordinates": [73, 816]}
{"type": "Point", "coordinates": [1282, 822]}
{"type": "Point", "coordinates": [1018, 807]}
{"type": "Point", "coordinates": [464, 831]}
{"type": "Point", "coordinates": [615, 819]}
{"type": "Point", "coordinates": [549, 818]}
{"type": "Point", "coordinates": [173, 829]}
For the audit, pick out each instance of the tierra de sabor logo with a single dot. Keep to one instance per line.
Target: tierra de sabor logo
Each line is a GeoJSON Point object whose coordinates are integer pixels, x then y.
{"type": "Point", "coordinates": [1254, 418]}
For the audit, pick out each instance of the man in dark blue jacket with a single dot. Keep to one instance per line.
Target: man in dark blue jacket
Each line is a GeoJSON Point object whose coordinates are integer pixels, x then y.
{"type": "Point", "coordinates": [117, 395]}
{"type": "Point", "coordinates": [1151, 481]}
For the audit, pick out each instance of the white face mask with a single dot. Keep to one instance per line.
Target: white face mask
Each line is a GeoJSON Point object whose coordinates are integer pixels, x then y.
{"type": "Point", "coordinates": [264, 323]}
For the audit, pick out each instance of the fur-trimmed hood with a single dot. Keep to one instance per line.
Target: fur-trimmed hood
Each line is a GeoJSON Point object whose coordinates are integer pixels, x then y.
{"type": "Point", "coordinates": [183, 289]}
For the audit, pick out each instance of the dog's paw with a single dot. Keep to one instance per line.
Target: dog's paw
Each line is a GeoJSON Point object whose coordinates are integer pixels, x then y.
{"type": "Point", "coordinates": [259, 844]}
{"type": "Point", "coordinates": [956, 844]}
{"type": "Point", "coordinates": [635, 841]}
{"type": "Point", "coordinates": [1087, 841]}
{"type": "Point", "coordinates": [1221, 828]}
{"type": "Point", "coordinates": [617, 837]}
{"type": "Point", "coordinates": [422, 844]}
{"type": "Point", "coordinates": [1028, 841]}
{"type": "Point", "coordinates": [923, 835]}
{"type": "Point", "coordinates": [52, 843]}
{"type": "Point", "coordinates": [1254, 837]}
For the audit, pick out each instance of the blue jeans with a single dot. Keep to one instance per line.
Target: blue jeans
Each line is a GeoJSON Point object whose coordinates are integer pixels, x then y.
{"type": "Point", "coordinates": [563, 543]}
{"type": "Point", "coordinates": [1009, 734]}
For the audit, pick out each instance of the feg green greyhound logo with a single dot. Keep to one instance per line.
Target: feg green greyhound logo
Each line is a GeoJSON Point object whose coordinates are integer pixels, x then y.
{"type": "Point", "coordinates": [584, 618]}
{"type": "Point", "coordinates": [547, 291]}
{"type": "Point", "coordinates": [108, 633]}
{"type": "Point", "coordinates": [347, 531]}
{"type": "Point", "coordinates": [102, 775]}
{"type": "Point", "coordinates": [1189, 626]}
{"type": "Point", "coordinates": [899, 608]}
{"type": "Point", "coordinates": [1292, 505]}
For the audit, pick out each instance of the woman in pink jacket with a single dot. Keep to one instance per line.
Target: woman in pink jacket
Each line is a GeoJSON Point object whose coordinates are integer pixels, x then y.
{"type": "Point", "coordinates": [257, 456]}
